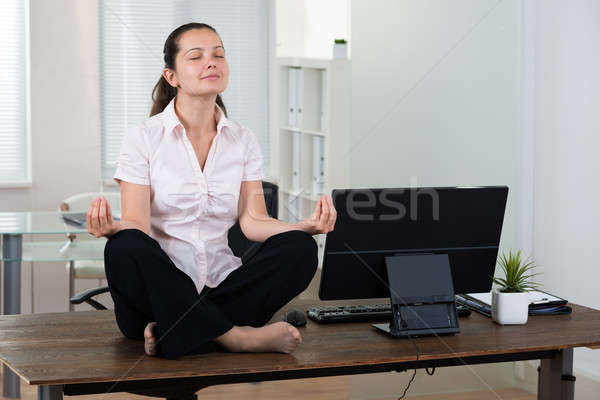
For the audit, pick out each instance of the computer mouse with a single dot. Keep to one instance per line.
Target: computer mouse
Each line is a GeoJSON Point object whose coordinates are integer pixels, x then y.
{"type": "Point", "coordinates": [295, 317]}
{"type": "Point", "coordinates": [462, 311]}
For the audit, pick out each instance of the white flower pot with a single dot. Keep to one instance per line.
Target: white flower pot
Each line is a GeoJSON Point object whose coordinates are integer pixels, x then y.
{"type": "Point", "coordinates": [340, 50]}
{"type": "Point", "coordinates": [510, 308]}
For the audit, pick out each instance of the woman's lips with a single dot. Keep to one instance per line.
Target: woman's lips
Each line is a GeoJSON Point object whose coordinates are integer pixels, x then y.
{"type": "Point", "coordinates": [211, 77]}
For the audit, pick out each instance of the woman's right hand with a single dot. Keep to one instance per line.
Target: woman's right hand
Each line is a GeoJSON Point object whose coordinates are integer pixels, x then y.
{"type": "Point", "coordinates": [99, 219]}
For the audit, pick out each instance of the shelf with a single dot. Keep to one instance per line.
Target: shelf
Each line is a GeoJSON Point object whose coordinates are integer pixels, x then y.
{"type": "Point", "coordinates": [322, 111]}
{"type": "Point", "coordinates": [305, 131]}
{"type": "Point", "coordinates": [291, 128]}
{"type": "Point", "coordinates": [315, 133]}
{"type": "Point", "coordinates": [303, 62]}
{"type": "Point", "coordinates": [302, 194]}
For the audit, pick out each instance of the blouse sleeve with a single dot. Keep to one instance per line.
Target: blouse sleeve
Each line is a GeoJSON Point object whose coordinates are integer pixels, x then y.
{"type": "Point", "coordinates": [133, 161]}
{"type": "Point", "coordinates": [253, 159]}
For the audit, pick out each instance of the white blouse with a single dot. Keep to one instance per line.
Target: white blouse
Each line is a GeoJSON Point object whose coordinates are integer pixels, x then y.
{"type": "Point", "coordinates": [191, 209]}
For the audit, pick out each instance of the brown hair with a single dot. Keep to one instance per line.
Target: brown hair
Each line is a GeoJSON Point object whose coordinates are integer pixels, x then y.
{"type": "Point", "coordinates": [163, 93]}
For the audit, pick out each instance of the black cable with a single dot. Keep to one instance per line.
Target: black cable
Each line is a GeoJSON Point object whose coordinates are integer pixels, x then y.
{"type": "Point", "coordinates": [417, 360]}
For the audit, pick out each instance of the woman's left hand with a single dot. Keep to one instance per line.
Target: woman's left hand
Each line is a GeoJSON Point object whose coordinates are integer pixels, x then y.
{"type": "Point", "coordinates": [323, 219]}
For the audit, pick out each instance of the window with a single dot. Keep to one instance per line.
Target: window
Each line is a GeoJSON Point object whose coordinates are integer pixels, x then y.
{"type": "Point", "coordinates": [132, 35]}
{"type": "Point", "coordinates": [15, 167]}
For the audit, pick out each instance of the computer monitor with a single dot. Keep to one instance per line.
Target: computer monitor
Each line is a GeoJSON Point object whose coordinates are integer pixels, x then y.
{"type": "Point", "coordinates": [463, 222]}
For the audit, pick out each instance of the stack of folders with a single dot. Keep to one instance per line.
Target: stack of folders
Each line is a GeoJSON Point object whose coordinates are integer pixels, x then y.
{"type": "Point", "coordinates": [540, 303]}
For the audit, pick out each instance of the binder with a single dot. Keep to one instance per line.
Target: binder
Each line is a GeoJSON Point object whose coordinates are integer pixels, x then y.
{"type": "Point", "coordinates": [321, 175]}
{"type": "Point", "coordinates": [541, 303]}
{"type": "Point", "coordinates": [299, 84]}
{"type": "Point", "coordinates": [318, 173]}
{"type": "Point", "coordinates": [296, 159]}
{"type": "Point", "coordinates": [323, 100]}
{"type": "Point", "coordinates": [292, 96]}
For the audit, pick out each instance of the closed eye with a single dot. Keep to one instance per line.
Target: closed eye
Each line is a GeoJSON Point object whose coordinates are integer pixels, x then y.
{"type": "Point", "coordinates": [195, 58]}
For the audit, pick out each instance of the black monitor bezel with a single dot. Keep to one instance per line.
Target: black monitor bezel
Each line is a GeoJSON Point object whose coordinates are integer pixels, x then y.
{"type": "Point", "coordinates": [484, 279]}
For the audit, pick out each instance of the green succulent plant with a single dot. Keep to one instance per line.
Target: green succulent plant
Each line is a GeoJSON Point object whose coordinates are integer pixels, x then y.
{"type": "Point", "coordinates": [517, 273]}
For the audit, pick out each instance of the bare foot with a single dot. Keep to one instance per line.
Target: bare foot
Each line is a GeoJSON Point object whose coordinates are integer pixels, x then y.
{"type": "Point", "coordinates": [278, 337]}
{"type": "Point", "coordinates": [150, 339]}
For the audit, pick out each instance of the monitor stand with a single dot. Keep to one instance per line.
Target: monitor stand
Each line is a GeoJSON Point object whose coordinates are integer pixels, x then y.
{"type": "Point", "coordinates": [422, 296]}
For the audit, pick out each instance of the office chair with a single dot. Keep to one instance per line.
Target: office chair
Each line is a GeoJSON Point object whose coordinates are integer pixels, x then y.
{"type": "Point", "coordinates": [240, 245]}
{"type": "Point", "coordinates": [87, 269]}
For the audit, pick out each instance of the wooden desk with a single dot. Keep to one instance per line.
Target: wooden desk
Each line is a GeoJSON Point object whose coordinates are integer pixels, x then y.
{"type": "Point", "coordinates": [13, 225]}
{"type": "Point", "coordinates": [84, 353]}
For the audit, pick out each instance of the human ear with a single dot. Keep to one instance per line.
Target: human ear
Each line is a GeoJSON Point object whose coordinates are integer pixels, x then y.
{"type": "Point", "coordinates": [170, 77]}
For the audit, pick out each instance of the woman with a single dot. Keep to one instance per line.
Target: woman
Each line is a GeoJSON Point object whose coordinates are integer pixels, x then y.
{"type": "Point", "coordinates": [187, 174]}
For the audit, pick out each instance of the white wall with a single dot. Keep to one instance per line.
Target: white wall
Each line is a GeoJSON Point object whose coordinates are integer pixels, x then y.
{"type": "Point", "coordinates": [567, 166]}
{"type": "Point", "coordinates": [436, 96]}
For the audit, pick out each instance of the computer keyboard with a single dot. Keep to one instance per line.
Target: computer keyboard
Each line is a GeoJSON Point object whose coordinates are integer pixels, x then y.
{"type": "Point", "coordinates": [359, 313]}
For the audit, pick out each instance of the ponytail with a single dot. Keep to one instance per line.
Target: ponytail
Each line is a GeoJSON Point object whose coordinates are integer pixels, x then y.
{"type": "Point", "coordinates": [162, 94]}
{"type": "Point", "coordinates": [221, 104]}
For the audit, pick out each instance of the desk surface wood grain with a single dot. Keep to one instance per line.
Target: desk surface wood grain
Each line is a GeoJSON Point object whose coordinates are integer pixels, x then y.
{"type": "Point", "coordinates": [87, 346]}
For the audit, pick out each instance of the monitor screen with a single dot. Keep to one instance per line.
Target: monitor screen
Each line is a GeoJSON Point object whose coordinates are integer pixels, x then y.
{"type": "Point", "coordinates": [463, 222]}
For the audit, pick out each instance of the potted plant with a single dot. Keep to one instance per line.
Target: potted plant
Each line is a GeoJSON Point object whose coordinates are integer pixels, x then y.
{"type": "Point", "coordinates": [510, 302]}
{"type": "Point", "coordinates": [340, 48]}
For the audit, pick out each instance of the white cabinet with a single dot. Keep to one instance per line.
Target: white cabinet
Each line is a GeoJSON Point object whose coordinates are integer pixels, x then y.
{"type": "Point", "coordinates": [310, 132]}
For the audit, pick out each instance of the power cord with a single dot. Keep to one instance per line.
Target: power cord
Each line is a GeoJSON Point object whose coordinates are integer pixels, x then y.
{"type": "Point", "coordinates": [404, 325]}
{"type": "Point", "coordinates": [416, 361]}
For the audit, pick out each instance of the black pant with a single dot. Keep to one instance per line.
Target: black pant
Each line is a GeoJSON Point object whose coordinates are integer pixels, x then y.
{"type": "Point", "coordinates": [147, 286]}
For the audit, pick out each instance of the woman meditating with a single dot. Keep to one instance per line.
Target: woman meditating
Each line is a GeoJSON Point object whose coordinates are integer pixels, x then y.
{"type": "Point", "coordinates": [187, 174]}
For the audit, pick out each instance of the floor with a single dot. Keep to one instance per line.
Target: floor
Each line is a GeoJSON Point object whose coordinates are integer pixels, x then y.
{"type": "Point", "coordinates": [333, 388]}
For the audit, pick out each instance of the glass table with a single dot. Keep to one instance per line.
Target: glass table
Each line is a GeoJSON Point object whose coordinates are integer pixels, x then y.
{"type": "Point", "coordinates": [13, 225]}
